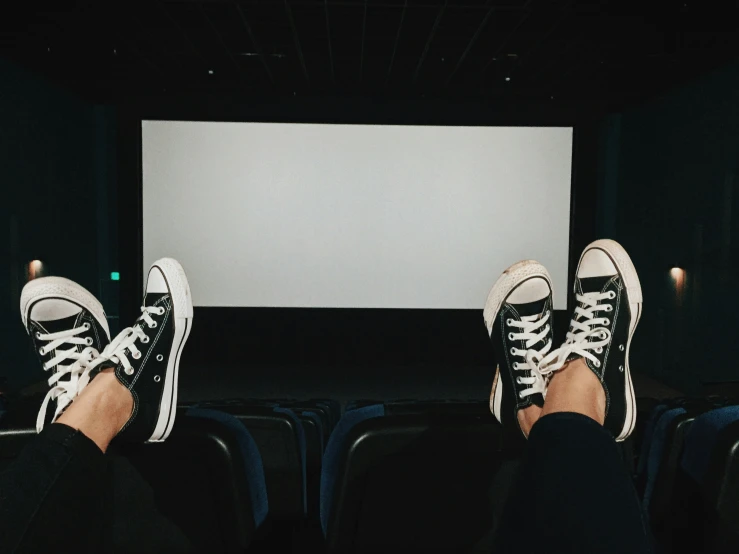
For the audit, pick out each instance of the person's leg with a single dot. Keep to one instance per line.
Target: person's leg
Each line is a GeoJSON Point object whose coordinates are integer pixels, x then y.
{"type": "Point", "coordinates": [62, 492]}
{"type": "Point", "coordinates": [573, 493]}
{"type": "Point", "coordinates": [54, 496]}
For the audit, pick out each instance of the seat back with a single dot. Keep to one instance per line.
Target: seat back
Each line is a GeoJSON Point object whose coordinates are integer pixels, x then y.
{"type": "Point", "coordinates": [664, 484]}
{"type": "Point", "coordinates": [207, 479]}
{"type": "Point", "coordinates": [721, 492]}
{"type": "Point", "coordinates": [692, 516]}
{"type": "Point", "coordinates": [656, 447]}
{"type": "Point", "coordinates": [417, 482]}
{"type": "Point", "coordinates": [314, 445]}
{"type": "Point", "coordinates": [12, 441]}
{"type": "Point", "coordinates": [280, 438]}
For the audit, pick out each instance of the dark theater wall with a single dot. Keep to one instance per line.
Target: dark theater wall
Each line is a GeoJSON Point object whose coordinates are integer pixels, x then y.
{"type": "Point", "coordinates": [670, 184]}
{"type": "Point", "coordinates": [55, 170]}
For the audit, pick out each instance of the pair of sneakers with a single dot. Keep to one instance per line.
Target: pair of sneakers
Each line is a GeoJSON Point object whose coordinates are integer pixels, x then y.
{"type": "Point", "coordinates": [518, 316]}
{"type": "Point", "coordinates": [70, 334]}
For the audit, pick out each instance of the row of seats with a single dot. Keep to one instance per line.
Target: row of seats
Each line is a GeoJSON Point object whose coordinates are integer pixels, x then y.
{"type": "Point", "coordinates": [244, 465]}
{"type": "Point", "coordinates": [688, 474]}
{"type": "Point", "coordinates": [405, 473]}
{"type": "Point", "coordinates": [418, 475]}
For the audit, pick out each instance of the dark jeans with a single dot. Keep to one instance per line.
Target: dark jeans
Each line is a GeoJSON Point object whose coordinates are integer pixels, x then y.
{"type": "Point", "coordinates": [572, 494]}
{"type": "Point", "coordinates": [63, 494]}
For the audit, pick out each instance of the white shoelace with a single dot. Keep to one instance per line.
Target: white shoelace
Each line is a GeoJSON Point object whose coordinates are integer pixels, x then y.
{"type": "Point", "coordinates": [64, 392]}
{"type": "Point", "coordinates": [585, 326]}
{"type": "Point", "coordinates": [126, 340]}
{"type": "Point", "coordinates": [531, 332]}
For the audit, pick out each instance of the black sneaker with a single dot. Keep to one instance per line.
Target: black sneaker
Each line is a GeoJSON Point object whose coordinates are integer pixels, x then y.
{"type": "Point", "coordinates": [518, 315]}
{"type": "Point", "coordinates": [146, 356]}
{"type": "Point", "coordinates": [68, 329]}
{"type": "Point", "coordinates": [609, 305]}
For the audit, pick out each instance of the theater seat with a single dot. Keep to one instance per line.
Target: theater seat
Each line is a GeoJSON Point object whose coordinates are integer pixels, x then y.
{"type": "Point", "coordinates": [332, 407]}
{"type": "Point", "coordinates": [721, 490]}
{"type": "Point", "coordinates": [12, 441]}
{"type": "Point", "coordinates": [355, 404]}
{"type": "Point", "coordinates": [314, 445]}
{"type": "Point", "coordinates": [207, 478]}
{"type": "Point", "coordinates": [648, 431]}
{"type": "Point", "coordinates": [663, 481]}
{"type": "Point", "coordinates": [280, 439]}
{"type": "Point", "coordinates": [441, 407]}
{"type": "Point", "coordinates": [336, 445]}
{"type": "Point", "coordinates": [416, 482]}
{"type": "Point", "coordinates": [702, 437]}
{"type": "Point", "coordinates": [693, 515]}
{"type": "Point", "coordinates": [661, 434]}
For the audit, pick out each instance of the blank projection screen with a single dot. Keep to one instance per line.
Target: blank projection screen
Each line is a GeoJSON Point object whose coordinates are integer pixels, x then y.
{"type": "Point", "coordinates": [354, 216]}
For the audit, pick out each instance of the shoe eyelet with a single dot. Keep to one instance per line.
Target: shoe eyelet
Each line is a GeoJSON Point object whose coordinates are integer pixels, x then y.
{"type": "Point", "coordinates": [136, 355]}
{"type": "Point", "coordinates": [621, 347]}
{"type": "Point", "coordinates": [611, 294]}
{"type": "Point", "coordinates": [161, 311]}
{"type": "Point", "coordinates": [88, 341]}
{"type": "Point", "coordinates": [515, 365]}
{"type": "Point", "coordinates": [153, 325]}
{"type": "Point", "coordinates": [520, 395]}
{"type": "Point", "coordinates": [596, 363]}
{"type": "Point", "coordinates": [621, 368]}
{"type": "Point", "coordinates": [86, 326]}
{"type": "Point", "coordinates": [608, 308]}
{"type": "Point", "coordinates": [518, 380]}
{"type": "Point", "coordinates": [145, 339]}
{"type": "Point", "coordinates": [157, 378]}
{"type": "Point", "coordinates": [513, 351]}
{"type": "Point", "coordinates": [603, 335]}
{"type": "Point", "coordinates": [599, 350]}
{"type": "Point", "coordinates": [128, 371]}
{"type": "Point", "coordinates": [509, 322]}
{"type": "Point", "coordinates": [159, 357]}
{"type": "Point", "coordinates": [42, 351]}
{"type": "Point", "coordinates": [606, 321]}
{"type": "Point", "coordinates": [510, 336]}
{"type": "Point", "coordinates": [38, 335]}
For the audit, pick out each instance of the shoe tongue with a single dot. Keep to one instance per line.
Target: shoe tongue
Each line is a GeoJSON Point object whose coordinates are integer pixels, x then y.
{"type": "Point", "coordinates": [594, 284]}
{"type": "Point", "coordinates": [537, 399]}
{"type": "Point", "coordinates": [151, 298]}
{"type": "Point", "coordinates": [531, 308]}
{"type": "Point", "coordinates": [63, 324]}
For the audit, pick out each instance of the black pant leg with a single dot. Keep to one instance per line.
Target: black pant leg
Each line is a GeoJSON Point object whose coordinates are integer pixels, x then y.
{"type": "Point", "coordinates": [138, 526]}
{"type": "Point", "coordinates": [53, 497]}
{"type": "Point", "coordinates": [573, 494]}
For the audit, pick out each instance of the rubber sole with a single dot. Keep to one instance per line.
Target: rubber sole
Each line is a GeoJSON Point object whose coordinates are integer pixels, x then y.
{"type": "Point", "coordinates": [626, 269]}
{"type": "Point", "coordinates": [59, 287]}
{"type": "Point", "coordinates": [179, 290]}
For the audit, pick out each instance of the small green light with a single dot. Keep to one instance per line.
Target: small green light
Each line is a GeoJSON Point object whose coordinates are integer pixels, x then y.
{"type": "Point", "coordinates": [115, 276]}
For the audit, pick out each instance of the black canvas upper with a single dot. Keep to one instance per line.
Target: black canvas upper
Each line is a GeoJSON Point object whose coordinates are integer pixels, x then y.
{"type": "Point", "coordinates": [612, 370]}
{"type": "Point", "coordinates": [97, 335]}
{"type": "Point", "coordinates": [146, 383]}
{"type": "Point", "coordinates": [510, 401]}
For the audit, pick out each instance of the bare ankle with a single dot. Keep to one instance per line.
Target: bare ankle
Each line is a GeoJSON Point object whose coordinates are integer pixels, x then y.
{"type": "Point", "coordinates": [101, 410]}
{"type": "Point", "coordinates": [575, 388]}
{"type": "Point", "coordinates": [527, 417]}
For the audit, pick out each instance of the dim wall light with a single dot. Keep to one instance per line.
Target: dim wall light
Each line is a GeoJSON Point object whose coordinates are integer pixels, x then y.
{"type": "Point", "coordinates": [35, 269]}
